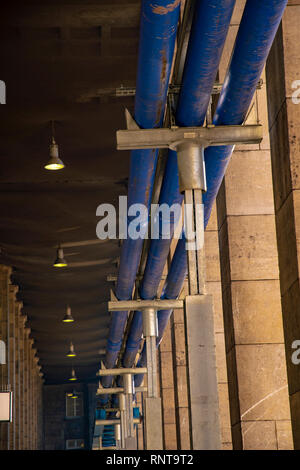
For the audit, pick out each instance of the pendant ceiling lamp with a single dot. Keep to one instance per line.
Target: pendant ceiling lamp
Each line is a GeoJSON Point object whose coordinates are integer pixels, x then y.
{"type": "Point", "coordinates": [71, 352]}
{"type": "Point", "coordinates": [60, 261]}
{"type": "Point", "coordinates": [73, 375]}
{"type": "Point", "coordinates": [68, 316]}
{"type": "Point", "coordinates": [55, 163]}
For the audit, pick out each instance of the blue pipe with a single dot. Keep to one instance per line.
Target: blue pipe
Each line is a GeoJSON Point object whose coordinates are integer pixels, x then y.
{"type": "Point", "coordinates": [169, 192]}
{"type": "Point", "coordinates": [158, 29]}
{"type": "Point", "coordinates": [209, 30]}
{"type": "Point", "coordinates": [159, 248]}
{"type": "Point", "coordinates": [171, 290]}
{"type": "Point", "coordinates": [256, 33]}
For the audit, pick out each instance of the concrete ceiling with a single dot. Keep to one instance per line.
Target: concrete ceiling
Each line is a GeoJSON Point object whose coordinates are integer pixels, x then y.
{"type": "Point", "coordinates": [61, 61]}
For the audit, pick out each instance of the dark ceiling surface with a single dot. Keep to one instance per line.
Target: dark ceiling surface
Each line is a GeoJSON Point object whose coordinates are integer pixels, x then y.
{"type": "Point", "coordinates": [61, 61]}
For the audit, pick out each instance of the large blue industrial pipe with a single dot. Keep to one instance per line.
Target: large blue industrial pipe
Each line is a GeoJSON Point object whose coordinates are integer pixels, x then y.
{"type": "Point", "coordinates": [169, 192]}
{"type": "Point", "coordinates": [172, 289]}
{"type": "Point", "coordinates": [157, 40]}
{"type": "Point", "coordinates": [209, 30]}
{"type": "Point", "coordinates": [250, 54]}
{"type": "Point", "coordinates": [256, 33]}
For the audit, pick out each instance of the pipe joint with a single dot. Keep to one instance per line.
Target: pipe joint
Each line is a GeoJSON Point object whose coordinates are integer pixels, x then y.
{"type": "Point", "coordinates": [128, 384]}
{"type": "Point", "coordinates": [122, 402]}
{"type": "Point", "coordinates": [150, 322]}
{"type": "Point", "coordinates": [191, 167]}
{"type": "Point", "coordinates": [117, 432]}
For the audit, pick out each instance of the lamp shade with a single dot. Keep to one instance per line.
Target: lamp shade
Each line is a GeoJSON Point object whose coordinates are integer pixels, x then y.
{"type": "Point", "coordinates": [68, 316]}
{"type": "Point", "coordinates": [71, 352]}
{"type": "Point", "coordinates": [73, 376]}
{"type": "Point", "coordinates": [60, 261]}
{"type": "Point", "coordinates": [54, 163]}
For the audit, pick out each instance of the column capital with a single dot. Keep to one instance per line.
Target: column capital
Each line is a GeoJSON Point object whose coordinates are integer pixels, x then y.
{"type": "Point", "coordinates": [27, 331]}
{"type": "Point", "coordinates": [13, 289]}
{"type": "Point", "coordinates": [5, 270]}
{"type": "Point", "coordinates": [19, 306]}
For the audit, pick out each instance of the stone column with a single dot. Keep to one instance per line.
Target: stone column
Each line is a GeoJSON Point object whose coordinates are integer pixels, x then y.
{"type": "Point", "coordinates": [40, 442]}
{"type": "Point", "coordinates": [34, 398]}
{"type": "Point", "coordinates": [253, 319]}
{"type": "Point", "coordinates": [174, 371]}
{"type": "Point", "coordinates": [36, 393]}
{"type": "Point", "coordinates": [12, 362]}
{"type": "Point", "coordinates": [17, 397]}
{"type": "Point", "coordinates": [22, 321]}
{"type": "Point", "coordinates": [173, 357]}
{"type": "Point", "coordinates": [214, 288]}
{"type": "Point", "coordinates": [5, 273]}
{"type": "Point", "coordinates": [167, 391]}
{"type": "Point", "coordinates": [26, 388]}
{"type": "Point", "coordinates": [140, 435]}
{"type": "Point", "coordinates": [180, 379]}
{"type": "Point", "coordinates": [259, 407]}
{"type": "Point", "coordinates": [17, 378]}
{"type": "Point", "coordinates": [30, 394]}
{"type": "Point", "coordinates": [283, 85]}
{"type": "Point", "coordinates": [29, 421]}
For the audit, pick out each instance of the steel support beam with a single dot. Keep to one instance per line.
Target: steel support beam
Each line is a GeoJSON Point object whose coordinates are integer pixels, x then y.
{"type": "Point", "coordinates": [117, 390]}
{"type": "Point", "coordinates": [153, 424]}
{"type": "Point", "coordinates": [107, 422]}
{"type": "Point", "coordinates": [173, 89]}
{"type": "Point", "coordinates": [118, 435]}
{"type": "Point", "coordinates": [122, 406]}
{"type": "Point", "coordinates": [202, 379]}
{"type": "Point", "coordinates": [153, 414]}
{"type": "Point", "coordinates": [130, 443]}
{"type": "Point", "coordinates": [204, 136]}
{"type": "Point", "coordinates": [157, 304]}
{"type": "Point", "coordinates": [122, 371]}
{"type": "Point", "coordinates": [128, 391]}
{"type": "Point", "coordinates": [199, 322]}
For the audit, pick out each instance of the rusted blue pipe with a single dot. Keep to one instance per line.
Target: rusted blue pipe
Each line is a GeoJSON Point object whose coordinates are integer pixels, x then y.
{"type": "Point", "coordinates": [256, 33]}
{"type": "Point", "coordinates": [209, 30]}
{"type": "Point", "coordinates": [158, 29]}
{"type": "Point", "coordinates": [255, 36]}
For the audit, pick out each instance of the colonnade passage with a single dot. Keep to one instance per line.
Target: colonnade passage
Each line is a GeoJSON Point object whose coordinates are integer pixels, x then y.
{"type": "Point", "coordinates": [20, 373]}
{"type": "Point", "coordinates": [114, 336]}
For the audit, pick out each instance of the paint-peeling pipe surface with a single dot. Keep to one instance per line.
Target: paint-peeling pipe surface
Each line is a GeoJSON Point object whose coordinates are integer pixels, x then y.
{"type": "Point", "coordinates": [161, 10]}
{"type": "Point", "coordinates": [209, 30]}
{"type": "Point", "coordinates": [256, 33]}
